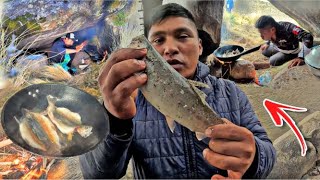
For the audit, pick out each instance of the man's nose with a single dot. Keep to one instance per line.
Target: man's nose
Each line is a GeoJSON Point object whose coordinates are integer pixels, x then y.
{"type": "Point", "coordinates": [170, 47]}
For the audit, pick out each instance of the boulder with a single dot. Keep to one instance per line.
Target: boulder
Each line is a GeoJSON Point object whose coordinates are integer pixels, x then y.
{"type": "Point", "coordinates": [305, 12]}
{"type": "Point", "coordinates": [243, 69]}
{"type": "Point", "coordinates": [290, 164]}
{"type": "Point", "coordinates": [288, 77]}
{"type": "Point", "coordinates": [44, 21]}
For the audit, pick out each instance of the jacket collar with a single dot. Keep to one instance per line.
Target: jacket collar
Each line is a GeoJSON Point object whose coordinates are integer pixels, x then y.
{"type": "Point", "coordinates": [202, 71]}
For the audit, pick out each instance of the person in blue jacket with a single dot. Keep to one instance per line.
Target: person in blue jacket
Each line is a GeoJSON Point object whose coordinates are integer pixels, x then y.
{"type": "Point", "coordinates": [238, 149]}
{"type": "Point", "coordinates": [62, 51]}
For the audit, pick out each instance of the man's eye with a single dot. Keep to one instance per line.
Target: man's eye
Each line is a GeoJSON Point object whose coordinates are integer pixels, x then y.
{"type": "Point", "coordinates": [158, 40]}
{"type": "Point", "coordinates": [183, 36]}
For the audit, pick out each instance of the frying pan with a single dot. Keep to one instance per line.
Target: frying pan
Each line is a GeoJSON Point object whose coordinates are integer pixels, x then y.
{"type": "Point", "coordinates": [229, 48]}
{"type": "Point", "coordinates": [34, 99]}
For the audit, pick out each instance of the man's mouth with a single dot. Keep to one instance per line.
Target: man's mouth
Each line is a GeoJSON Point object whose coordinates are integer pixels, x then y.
{"type": "Point", "coordinates": [176, 64]}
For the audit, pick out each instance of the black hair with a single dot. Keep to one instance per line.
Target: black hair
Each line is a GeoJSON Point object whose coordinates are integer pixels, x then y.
{"type": "Point", "coordinates": [266, 22]}
{"type": "Point", "coordinates": [168, 10]}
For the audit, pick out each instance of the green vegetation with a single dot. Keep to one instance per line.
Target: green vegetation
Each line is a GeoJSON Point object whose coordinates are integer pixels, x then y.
{"type": "Point", "coordinates": [22, 24]}
{"type": "Point", "coordinates": [120, 19]}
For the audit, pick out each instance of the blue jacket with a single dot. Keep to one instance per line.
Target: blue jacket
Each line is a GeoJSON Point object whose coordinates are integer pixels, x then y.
{"type": "Point", "coordinates": [159, 153]}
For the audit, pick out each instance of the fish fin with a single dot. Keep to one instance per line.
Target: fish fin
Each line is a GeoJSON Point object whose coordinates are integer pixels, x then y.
{"type": "Point", "coordinates": [84, 131]}
{"type": "Point", "coordinates": [200, 136]}
{"type": "Point", "coordinates": [70, 135]}
{"type": "Point", "coordinates": [201, 94]}
{"type": "Point", "coordinates": [24, 111]}
{"type": "Point", "coordinates": [51, 100]}
{"type": "Point", "coordinates": [171, 123]}
{"type": "Point", "coordinates": [18, 121]}
{"type": "Point", "coordinates": [198, 84]}
{"type": "Point", "coordinates": [44, 113]}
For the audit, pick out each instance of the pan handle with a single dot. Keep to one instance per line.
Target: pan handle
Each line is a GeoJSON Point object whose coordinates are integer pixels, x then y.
{"type": "Point", "coordinates": [251, 50]}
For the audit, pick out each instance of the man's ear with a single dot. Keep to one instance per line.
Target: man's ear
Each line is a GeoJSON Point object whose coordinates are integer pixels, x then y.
{"type": "Point", "coordinates": [200, 47]}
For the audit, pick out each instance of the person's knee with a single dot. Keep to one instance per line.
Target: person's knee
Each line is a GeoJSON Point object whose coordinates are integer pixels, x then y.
{"type": "Point", "coordinates": [277, 60]}
{"type": "Point", "coordinates": [266, 53]}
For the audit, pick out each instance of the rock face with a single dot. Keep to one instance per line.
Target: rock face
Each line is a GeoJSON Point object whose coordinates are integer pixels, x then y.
{"type": "Point", "coordinates": [45, 20]}
{"type": "Point", "coordinates": [305, 12]}
{"type": "Point", "coordinates": [290, 164]}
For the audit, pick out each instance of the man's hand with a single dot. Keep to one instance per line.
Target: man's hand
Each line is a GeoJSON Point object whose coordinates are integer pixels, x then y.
{"type": "Point", "coordinates": [264, 47]}
{"type": "Point", "coordinates": [231, 148]}
{"type": "Point", "coordinates": [119, 78]}
{"type": "Point", "coordinates": [81, 46]}
{"type": "Point", "coordinates": [296, 62]}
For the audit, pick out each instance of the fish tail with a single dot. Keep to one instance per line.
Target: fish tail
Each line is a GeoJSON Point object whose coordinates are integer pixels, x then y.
{"type": "Point", "coordinates": [84, 131]}
{"type": "Point", "coordinates": [51, 100]}
{"type": "Point", "coordinates": [18, 121]}
{"type": "Point", "coordinates": [24, 111]}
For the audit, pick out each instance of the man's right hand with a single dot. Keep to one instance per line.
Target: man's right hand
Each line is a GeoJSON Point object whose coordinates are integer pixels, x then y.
{"type": "Point", "coordinates": [119, 78]}
{"type": "Point", "coordinates": [264, 47]}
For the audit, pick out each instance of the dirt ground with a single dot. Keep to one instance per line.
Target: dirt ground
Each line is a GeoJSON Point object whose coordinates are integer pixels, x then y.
{"type": "Point", "coordinates": [296, 87]}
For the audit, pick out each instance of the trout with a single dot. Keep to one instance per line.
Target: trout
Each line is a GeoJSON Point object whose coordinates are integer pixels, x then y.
{"type": "Point", "coordinates": [66, 121]}
{"type": "Point", "coordinates": [173, 95]}
{"type": "Point", "coordinates": [42, 127]}
{"type": "Point", "coordinates": [28, 135]}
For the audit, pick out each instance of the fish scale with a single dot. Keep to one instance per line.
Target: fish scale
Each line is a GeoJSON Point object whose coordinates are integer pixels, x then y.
{"type": "Point", "coordinates": [172, 94]}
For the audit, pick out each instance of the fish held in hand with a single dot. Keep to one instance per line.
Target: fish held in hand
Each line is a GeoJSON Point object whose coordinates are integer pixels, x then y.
{"type": "Point", "coordinates": [172, 94]}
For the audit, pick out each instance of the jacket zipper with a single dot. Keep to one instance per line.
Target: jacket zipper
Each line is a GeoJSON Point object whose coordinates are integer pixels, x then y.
{"type": "Point", "coordinates": [191, 169]}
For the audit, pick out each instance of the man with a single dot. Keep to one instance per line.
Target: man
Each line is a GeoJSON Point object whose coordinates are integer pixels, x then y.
{"type": "Point", "coordinates": [62, 51]}
{"type": "Point", "coordinates": [283, 41]}
{"type": "Point", "coordinates": [239, 148]}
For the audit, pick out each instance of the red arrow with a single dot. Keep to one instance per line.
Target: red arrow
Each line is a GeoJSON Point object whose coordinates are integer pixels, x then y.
{"type": "Point", "coordinates": [278, 115]}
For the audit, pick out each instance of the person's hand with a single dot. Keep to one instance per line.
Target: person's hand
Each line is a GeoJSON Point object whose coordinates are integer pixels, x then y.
{"type": "Point", "coordinates": [231, 148]}
{"type": "Point", "coordinates": [264, 47]}
{"type": "Point", "coordinates": [118, 80]}
{"type": "Point", "coordinates": [296, 62]}
{"type": "Point", "coordinates": [81, 46]}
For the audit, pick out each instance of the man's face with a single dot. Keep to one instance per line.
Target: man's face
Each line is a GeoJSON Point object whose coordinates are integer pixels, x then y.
{"type": "Point", "coordinates": [177, 41]}
{"type": "Point", "coordinates": [68, 41]}
{"type": "Point", "coordinates": [267, 33]}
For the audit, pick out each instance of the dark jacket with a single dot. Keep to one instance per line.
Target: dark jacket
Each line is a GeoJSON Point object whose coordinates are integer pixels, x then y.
{"type": "Point", "coordinates": [289, 35]}
{"type": "Point", "coordinates": [57, 51]}
{"type": "Point", "coordinates": [159, 153]}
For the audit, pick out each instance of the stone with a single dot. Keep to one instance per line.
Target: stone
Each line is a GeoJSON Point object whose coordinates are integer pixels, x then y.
{"type": "Point", "coordinates": [290, 164]}
{"type": "Point", "coordinates": [243, 69]}
{"type": "Point", "coordinates": [287, 77]}
{"type": "Point", "coordinates": [305, 12]}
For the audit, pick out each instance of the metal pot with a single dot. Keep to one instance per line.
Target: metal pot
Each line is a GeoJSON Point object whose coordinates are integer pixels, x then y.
{"type": "Point", "coordinates": [313, 61]}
